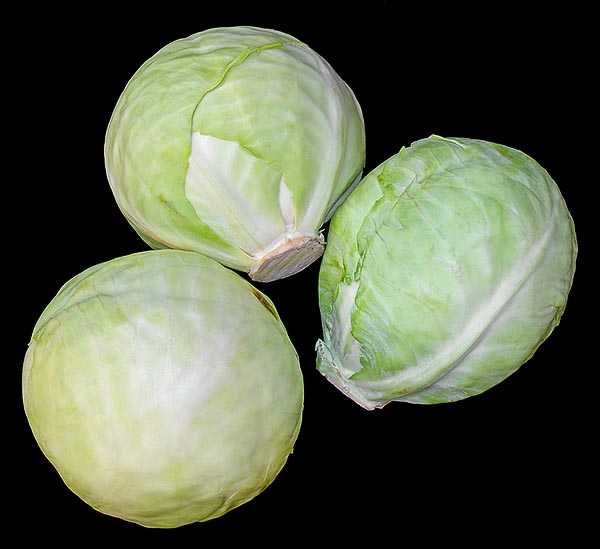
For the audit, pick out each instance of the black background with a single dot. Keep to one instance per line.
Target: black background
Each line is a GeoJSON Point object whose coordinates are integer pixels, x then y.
{"type": "Point", "coordinates": [514, 461]}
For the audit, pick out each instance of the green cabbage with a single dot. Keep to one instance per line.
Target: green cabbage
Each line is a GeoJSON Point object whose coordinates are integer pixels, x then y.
{"type": "Point", "coordinates": [445, 269]}
{"type": "Point", "coordinates": [163, 388]}
{"type": "Point", "coordinates": [237, 142]}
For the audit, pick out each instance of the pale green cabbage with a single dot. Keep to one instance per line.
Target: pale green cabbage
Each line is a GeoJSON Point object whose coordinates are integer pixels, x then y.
{"type": "Point", "coordinates": [237, 142]}
{"type": "Point", "coordinates": [163, 388]}
{"type": "Point", "coordinates": [445, 269]}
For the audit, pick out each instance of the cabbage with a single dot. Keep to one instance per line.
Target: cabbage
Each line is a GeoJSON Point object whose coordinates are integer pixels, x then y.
{"type": "Point", "coordinates": [237, 142]}
{"type": "Point", "coordinates": [163, 388]}
{"type": "Point", "coordinates": [445, 269]}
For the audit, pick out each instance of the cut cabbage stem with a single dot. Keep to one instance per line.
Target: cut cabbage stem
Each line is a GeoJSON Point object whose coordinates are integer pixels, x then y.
{"type": "Point", "coordinates": [290, 257]}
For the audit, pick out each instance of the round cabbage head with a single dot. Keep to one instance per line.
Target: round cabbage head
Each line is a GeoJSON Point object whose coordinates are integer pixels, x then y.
{"type": "Point", "coordinates": [237, 142]}
{"type": "Point", "coordinates": [445, 269]}
{"type": "Point", "coordinates": [163, 388]}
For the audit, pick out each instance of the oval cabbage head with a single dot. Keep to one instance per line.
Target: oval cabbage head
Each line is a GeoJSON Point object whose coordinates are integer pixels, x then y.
{"type": "Point", "coordinates": [237, 142]}
{"type": "Point", "coordinates": [445, 269]}
{"type": "Point", "coordinates": [163, 388]}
